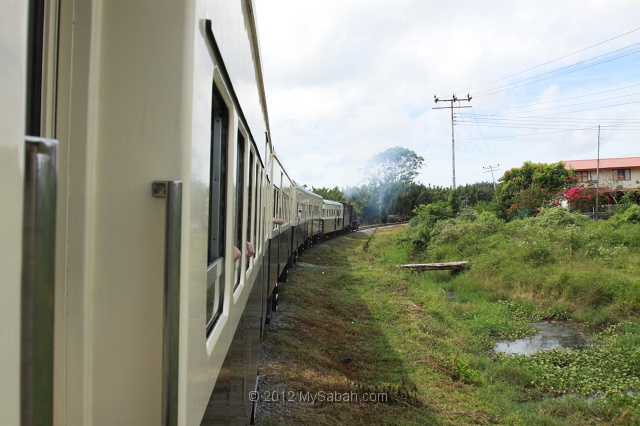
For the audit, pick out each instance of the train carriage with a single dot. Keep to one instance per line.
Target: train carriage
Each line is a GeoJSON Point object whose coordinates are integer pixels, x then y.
{"type": "Point", "coordinates": [332, 216]}
{"type": "Point", "coordinates": [147, 221]}
{"type": "Point", "coordinates": [153, 115]}
{"type": "Point", "coordinates": [282, 226]}
{"type": "Point", "coordinates": [308, 224]}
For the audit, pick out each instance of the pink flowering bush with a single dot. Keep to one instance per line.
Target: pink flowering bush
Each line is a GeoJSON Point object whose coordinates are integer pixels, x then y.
{"type": "Point", "coordinates": [579, 197]}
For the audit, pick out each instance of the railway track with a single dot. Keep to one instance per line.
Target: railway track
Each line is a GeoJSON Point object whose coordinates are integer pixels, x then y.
{"type": "Point", "coordinates": [380, 225]}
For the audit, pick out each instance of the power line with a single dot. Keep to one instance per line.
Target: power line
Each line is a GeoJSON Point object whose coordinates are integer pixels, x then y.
{"type": "Point", "coordinates": [554, 60]}
{"type": "Point", "coordinates": [515, 85]}
{"type": "Point", "coordinates": [562, 100]}
{"type": "Point", "coordinates": [546, 117]}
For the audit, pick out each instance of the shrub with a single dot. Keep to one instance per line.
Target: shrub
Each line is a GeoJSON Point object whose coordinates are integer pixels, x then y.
{"type": "Point", "coordinates": [467, 214]}
{"type": "Point", "coordinates": [486, 206]}
{"type": "Point", "coordinates": [630, 215]}
{"type": "Point", "coordinates": [557, 216]}
{"type": "Point", "coordinates": [431, 213]}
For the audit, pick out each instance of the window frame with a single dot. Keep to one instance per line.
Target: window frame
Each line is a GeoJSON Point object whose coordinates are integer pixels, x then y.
{"type": "Point", "coordinates": [218, 201]}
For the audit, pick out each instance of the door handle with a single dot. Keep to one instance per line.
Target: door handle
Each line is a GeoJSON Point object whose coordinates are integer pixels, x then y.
{"type": "Point", "coordinates": [172, 191]}
{"type": "Point", "coordinates": [38, 275]}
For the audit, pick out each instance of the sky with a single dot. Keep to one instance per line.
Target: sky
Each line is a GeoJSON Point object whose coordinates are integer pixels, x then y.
{"type": "Point", "coordinates": [347, 79]}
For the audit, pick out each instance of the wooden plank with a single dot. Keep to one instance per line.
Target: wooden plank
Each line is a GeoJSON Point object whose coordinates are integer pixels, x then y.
{"type": "Point", "coordinates": [437, 266]}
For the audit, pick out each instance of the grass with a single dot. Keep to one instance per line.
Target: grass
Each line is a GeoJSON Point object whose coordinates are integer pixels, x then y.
{"type": "Point", "coordinates": [355, 324]}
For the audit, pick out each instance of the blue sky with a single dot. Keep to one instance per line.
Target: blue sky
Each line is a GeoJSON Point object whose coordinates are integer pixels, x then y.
{"type": "Point", "coordinates": [348, 79]}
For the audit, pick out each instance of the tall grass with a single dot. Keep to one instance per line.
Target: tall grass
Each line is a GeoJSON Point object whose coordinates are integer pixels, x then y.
{"type": "Point", "coordinates": [355, 321]}
{"type": "Point", "coordinates": [590, 269]}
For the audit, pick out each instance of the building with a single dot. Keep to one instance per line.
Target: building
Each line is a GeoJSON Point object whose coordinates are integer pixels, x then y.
{"type": "Point", "coordinates": [615, 173]}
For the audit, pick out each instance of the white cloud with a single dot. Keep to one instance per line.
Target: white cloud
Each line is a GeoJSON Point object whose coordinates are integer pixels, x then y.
{"type": "Point", "coordinates": [350, 78]}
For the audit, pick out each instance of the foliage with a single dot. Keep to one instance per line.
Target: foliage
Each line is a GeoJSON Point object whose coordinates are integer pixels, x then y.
{"type": "Point", "coordinates": [472, 194]}
{"type": "Point", "coordinates": [454, 202]}
{"type": "Point", "coordinates": [550, 177]}
{"type": "Point", "coordinates": [630, 215]}
{"type": "Point", "coordinates": [579, 197]}
{"type": "Point", "coordinates": [630, 197]}
{"type": "Point", "coordinates": [556, 256]}
{"type": "Point", "coordinates": [431, 213]}
{"type": "Point", "coordinates": [425, 217]}
{"type": "Point", "coordinates": [365, 201]}
{"type": "Point", "coordinates": [399, 200]}
{"type": "Point", "coordinates": [558, 216]}
{"type": "Point", "coordinates": [333, 194]}
{"type": "Point", "coordinates": [610, 184]}
{"type": "Point", "coordinates": [528, 202]}
{"type": "Point", "coordinates": [432, 333]}
{"type": "Point", "coordinates": [558, 265]}
{"type": "Point", "coordinates": [607, 373]}
{"type": "Point", "coordinates": [485, 206]}
{"type": "Point", "coordinates": [435, 221]}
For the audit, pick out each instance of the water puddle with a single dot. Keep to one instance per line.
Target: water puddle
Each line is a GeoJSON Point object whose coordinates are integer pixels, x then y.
{"type": "Point", "coordinates": [550, 335]}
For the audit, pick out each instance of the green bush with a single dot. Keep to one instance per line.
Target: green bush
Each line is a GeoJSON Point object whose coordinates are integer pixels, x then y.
{"type": "Point", "coordinates": [559, 216]}
{"type": "Point", "coordinates": [558, 258]}
{"type": "Point", "coordinates": [426, 216]}
{"type": "Point", "coordinates": [431, 213]}
{"type": "Point", "coordinates": [630, 215]}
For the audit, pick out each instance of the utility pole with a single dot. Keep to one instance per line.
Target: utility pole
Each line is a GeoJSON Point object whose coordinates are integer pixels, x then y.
{"type": "Point", "coordinates": [453, 144]}
{"type": "Point", "coordinates": [598, 177]}
{"type": "Point", "coordinates": [491, 169]}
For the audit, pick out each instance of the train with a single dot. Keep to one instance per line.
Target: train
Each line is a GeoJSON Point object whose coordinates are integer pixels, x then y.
{"type": "Point", "coordinates": [148, 222]}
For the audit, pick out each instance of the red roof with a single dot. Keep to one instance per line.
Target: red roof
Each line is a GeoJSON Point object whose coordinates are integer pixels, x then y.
{"type": "Point", "coordinates": [605, 163]}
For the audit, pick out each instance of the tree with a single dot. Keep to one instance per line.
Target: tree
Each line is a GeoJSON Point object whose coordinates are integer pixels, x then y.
{"type": "Point", "coordinates": [365, 200]}
{"type": "Point", "coordinates": [528, 202]}
{"type": "Point", "coordinates": [550, 177]}
{"type": "Point", "coordinates": [389, 188]}
{"type": "Point", "coordinates": [470, 194]}
{"type": "Point", "coordinates": [454, 202]}
{"type": "Point", "coordinates": [330, 194]}
{"type": "Point", "coordinates": [393, 166]}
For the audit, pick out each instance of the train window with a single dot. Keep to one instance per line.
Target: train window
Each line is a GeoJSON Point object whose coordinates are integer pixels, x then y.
{"type": "Point", "coordinates": [275, 206]}
{"type": "Point", "coordinates": [258, 198]}
{"type": "Point", "coordinates": [250, 227]}
{"type": "Point", "coordinates": [217, 209]}
{"type": "Point", "coordinates": [262, 213]}
{"type": "Point", "coordinates": [240, 163]}
{"type": "Point", "coordinates": [285, 206]}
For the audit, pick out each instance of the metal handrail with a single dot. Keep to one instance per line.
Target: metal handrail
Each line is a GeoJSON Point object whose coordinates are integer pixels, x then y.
{"type": "Point", "coordinates": [38, 275]}
{"type": "Point", "coordinates": [172, 191]}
